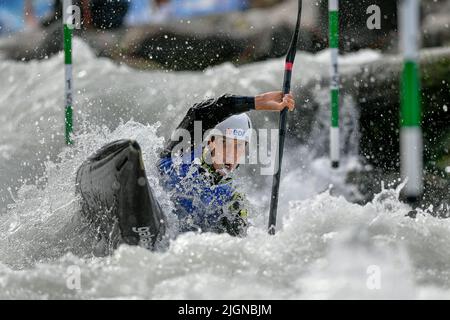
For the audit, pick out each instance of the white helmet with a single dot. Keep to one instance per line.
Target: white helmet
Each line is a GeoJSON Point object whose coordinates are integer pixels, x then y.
{"type": "Point", "coordinates": [235, 127]}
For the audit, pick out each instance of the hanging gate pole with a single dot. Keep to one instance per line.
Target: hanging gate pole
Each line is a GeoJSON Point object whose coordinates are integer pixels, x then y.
{"type": "Point", "coordinates": [333, 11]}
{"type": "Point", "coordinates": [411, 147]}
{"type": "Point", "coordinates": [68, 27]}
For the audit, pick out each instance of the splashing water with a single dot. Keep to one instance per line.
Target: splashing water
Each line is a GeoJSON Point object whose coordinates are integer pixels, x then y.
{"type": "Point", "coordinates": [327, 247]}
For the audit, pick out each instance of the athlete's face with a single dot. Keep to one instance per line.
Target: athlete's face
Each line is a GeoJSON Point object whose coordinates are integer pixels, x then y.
{"type": "Point", "coordinates": [226, 154]}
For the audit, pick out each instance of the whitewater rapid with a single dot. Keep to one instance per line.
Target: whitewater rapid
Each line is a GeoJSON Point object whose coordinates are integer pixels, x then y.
{"type": "Point", "coordinates": [327, 247]}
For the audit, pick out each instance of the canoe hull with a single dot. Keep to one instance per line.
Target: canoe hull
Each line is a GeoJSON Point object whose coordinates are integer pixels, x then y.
{"type": "Point", "coordinates": [116, 197]}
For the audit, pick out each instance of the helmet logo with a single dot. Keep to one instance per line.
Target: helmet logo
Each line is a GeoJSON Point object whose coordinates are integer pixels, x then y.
{"type": "Point", "coordinates": [235, 132]}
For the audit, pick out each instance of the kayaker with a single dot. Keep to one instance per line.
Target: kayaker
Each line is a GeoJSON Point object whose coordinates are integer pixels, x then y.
{"type": "Point", "coordinates": [200, 180]}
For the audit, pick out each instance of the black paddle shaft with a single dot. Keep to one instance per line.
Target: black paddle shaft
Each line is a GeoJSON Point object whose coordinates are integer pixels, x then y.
{"type": "Point", "coordinates": [283, 117]}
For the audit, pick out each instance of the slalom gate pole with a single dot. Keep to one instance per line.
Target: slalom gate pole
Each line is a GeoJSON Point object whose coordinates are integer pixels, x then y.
{"type": "Point", "coordinates": [333, 16]}
{"type": "Point", "coordinates": [411, 145]}
{"type": "Point", "coordinates": [282, 125]}
{"type": "Point", "coordinates": [68, 31]}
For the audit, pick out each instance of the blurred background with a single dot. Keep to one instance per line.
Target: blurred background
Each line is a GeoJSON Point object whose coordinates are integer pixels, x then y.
{"type": "Point", "coordinates": [153, 33]}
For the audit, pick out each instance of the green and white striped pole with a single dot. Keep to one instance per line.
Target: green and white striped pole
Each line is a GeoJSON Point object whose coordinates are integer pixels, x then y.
{"type": "Point", "coordinates": [333, 11]}
{"type": "Point", "coordinates": [68, 28]}
{"type": "Point", "coordinates": [411, 147]}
